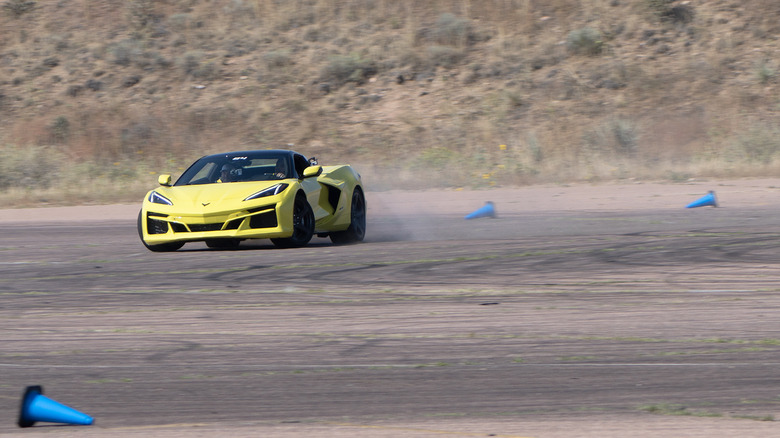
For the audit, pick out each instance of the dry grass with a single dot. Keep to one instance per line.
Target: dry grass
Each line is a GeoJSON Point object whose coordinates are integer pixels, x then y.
{"type": "Point", "coordinates": [574, 90]}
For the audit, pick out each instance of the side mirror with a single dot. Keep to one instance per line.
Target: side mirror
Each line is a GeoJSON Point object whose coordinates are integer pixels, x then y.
{"type": "Point", "coordinates": [312, 171]}
{"type": "Point", "coordinates": [164, 180]}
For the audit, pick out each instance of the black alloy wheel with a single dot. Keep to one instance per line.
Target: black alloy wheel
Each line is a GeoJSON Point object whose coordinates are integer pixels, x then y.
{"type": "Point", "coordinates": [303, 225]}
{"type": "Point", "coordinates": [357, 225]}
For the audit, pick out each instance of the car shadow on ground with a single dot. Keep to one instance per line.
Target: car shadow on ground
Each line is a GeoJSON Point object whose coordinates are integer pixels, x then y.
{"type": "Point", "coordinates": [253, 245]}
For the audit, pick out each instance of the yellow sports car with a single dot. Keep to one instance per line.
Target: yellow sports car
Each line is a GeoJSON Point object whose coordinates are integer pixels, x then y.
{"type": "Point", "coordinates": [280, 195]}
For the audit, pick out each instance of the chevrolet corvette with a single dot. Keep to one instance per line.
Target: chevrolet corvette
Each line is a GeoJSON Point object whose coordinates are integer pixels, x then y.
{"type": "Point", "coordinates": [280, 195]}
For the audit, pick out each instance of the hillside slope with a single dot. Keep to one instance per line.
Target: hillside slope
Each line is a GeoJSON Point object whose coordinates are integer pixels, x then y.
{"type": "Point", "coordinates": [445, 92]}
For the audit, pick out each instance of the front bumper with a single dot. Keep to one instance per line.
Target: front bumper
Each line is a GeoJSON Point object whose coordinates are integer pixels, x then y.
{"type": "Point", "coordinates": [262, 222]}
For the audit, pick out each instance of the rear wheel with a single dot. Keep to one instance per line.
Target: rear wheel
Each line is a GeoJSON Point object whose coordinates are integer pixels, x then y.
{"type": "Point", "coordinates": [357, 225]}
{"type": "Point", "coordinates": [163, 247]}
{"type": "Point", "coordinates": [303, 225]}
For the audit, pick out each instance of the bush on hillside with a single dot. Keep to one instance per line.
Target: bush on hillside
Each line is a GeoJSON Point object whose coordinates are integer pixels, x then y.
{"type": "Point", "coordinates": [445, 56]}
{"type": "Point", "coordinates": [17, 8]}
{"type": "Point", "coordinates": [585, 41]}
{"type": "Point", "coordinates": [760, 144]}
{"type": "Point", "coordinates": [348, 68]}
{"type": "Point", "coordinates": [616, 136]}
{"type": "Point", "coordinates": [451, 30]}
{"type": "Point", "coordinates": [29, 168]}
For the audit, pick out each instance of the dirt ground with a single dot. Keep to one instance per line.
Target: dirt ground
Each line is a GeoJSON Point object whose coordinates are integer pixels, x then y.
{"type": "Point", "coordinates": [742, 193]}
{"type": "Point", "coordinates": [580, 311]}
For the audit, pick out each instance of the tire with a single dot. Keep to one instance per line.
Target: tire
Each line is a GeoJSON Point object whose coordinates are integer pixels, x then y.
{"type": "Point", "coordinates": [163, 247]}
{"type": "Point", "coordinates": [223, 243]}
{"type": "Point", "coordinates": [303, 225]}
{"type": "Point", "coordinates": [357, 221]}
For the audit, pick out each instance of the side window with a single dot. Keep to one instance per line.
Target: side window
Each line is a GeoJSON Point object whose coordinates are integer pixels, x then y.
{"type": "Point", "coordinates": [301, 163]}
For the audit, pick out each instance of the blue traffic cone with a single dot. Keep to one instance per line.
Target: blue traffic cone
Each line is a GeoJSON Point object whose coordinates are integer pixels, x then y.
{"type": "Point", "coordinates": [488, 210]}
{"type": "Point", "coordinates": [38, 407]}
{"type": "Point", "coordinates": [708, 199]}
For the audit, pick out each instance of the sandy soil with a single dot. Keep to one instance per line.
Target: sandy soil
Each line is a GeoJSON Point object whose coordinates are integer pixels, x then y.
{"type": "Point", "coordinates": [583, 427]}
{"type": "Point", "coordinates": [740, 193]}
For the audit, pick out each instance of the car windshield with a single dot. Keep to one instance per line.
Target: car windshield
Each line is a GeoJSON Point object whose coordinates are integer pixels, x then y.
{"type": "Point", "coordinates": [238, 167]}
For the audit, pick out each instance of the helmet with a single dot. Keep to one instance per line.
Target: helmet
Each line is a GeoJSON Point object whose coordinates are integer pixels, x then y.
{"type": "Point", "coordinates": [281, 166]}
{"type": "Point", "coordinates": [232, 173]}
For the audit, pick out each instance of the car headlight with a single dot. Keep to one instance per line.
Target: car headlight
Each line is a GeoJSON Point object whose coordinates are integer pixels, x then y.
{"type": "Point", "coordinates": [156, 198]}
{"type": "Point", "coordinates": [270, 191]}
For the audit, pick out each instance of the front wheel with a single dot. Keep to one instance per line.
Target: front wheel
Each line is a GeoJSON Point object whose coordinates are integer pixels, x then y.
{"type": "Point", "coordinates": [357, 225]}
{"type": "Point", "coordinates": [163, 247]}
{"type": "Point", "coordinates": [303, 225]}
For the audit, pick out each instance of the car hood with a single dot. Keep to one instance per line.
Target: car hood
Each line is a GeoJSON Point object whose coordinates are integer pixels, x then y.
{"type": "Point", "coordinates": [213, 197]}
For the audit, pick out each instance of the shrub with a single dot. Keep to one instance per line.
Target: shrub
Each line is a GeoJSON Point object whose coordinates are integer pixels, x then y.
{"type": "Point", "coordinates": [17, 8]}
{"type": "Point", "coordinates": [125, 51]}
{"type": "Point", "coordinates": [240, 46]}
{"type": "Point", "coordinates": [444, 56]}
{"type": "Point", "coordinates": [31, 167]}
{"type": "Point", "coordinates": [318, 34]}
{"type": "Point", "coordinates": [179, 21]}
{"type": "Point", "coordinates": [765, 72]}
{"type": "Point", "coordinates": [190, 61]}
{"type": "Point", "coordinates": [350, 68]}
{"type": "Point", "coordinates": [681, 14]}
{"type": "Point", "coordinates": [60, 130]}
{"type": "Point", "coordinates": [760, 144]}
{"type": "Point", "coordinates": [535, 149]}
{"type": "Point", "coordinates": [138, 136]}
{"type": "Point", "coordinates": [666, 11]}
{"type": "Point", "coordinates": [192, 64]}
{"type": "Point", "coordinates": [240, 8]}
{"type": "Point", "coordinates": [619, 136]}
{"type": "Point", "coordinates": [658, 7]}
{"type": "Point", "coordinates": [437, 157]}
{"type": "Point", "coordinates": [130, 52]}
{"type": "Point", "coordinates": [278, 58]}
{"type": "Point", "coordinates": [208, 71]}
{"type": "Point", "coordinates": [451, 30]}
{"type": "Point", "coordinates": [585, 41]}
{"type": "Point", "coordinates": [141, 13]}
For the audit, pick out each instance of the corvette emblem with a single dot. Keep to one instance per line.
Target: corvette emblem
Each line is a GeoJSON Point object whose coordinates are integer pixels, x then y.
{"type": "Point", "coordinates": [205, 203]}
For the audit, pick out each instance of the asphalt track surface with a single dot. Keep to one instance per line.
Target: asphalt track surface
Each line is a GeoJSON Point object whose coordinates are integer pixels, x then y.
{"type": "Point", "coordinates": [468, 328]}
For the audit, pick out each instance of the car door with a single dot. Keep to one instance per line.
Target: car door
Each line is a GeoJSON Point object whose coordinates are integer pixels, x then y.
{"type": "Point", "coordinates": [310, 186]}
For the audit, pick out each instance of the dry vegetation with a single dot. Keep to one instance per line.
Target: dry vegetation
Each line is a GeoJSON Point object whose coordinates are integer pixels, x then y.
{"type": "Point", "coordinates": [99, 96]}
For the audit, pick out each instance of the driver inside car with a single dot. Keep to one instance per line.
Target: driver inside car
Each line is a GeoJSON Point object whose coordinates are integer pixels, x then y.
{"type": "Point", "coordinates": [281, 169]}
{"type": "Point", "coordinates": [227, 174]}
